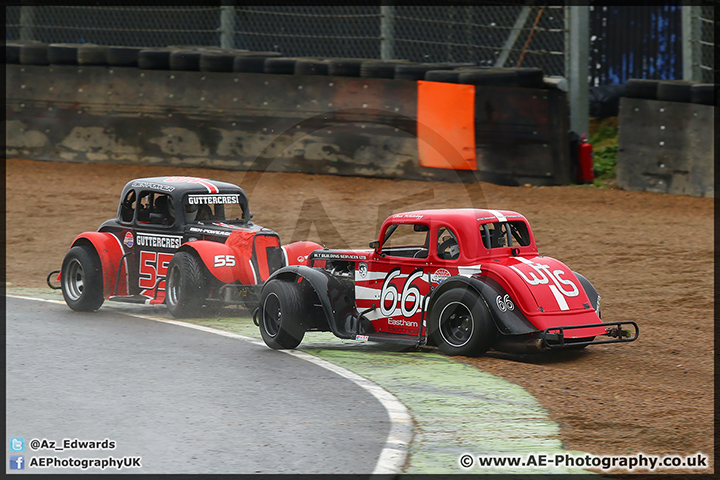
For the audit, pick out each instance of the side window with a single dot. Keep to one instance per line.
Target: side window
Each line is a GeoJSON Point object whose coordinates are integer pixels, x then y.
{"type": "Point", "coordinates": [127, 207]}
{"type": "Point", "coordinates": [448, 247]}
{"type": "Point", "coordinates": [520, 233]}
{"type": "Point", "coordinates": [406, 240]}
{"type": "Point", "coordinates": [156, 209]}
{"type": "Point", "coordinates": [493, 235]}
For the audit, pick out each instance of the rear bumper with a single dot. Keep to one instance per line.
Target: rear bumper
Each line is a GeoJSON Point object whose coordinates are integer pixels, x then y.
{"type": "Point", "coordinates": [554, 337]}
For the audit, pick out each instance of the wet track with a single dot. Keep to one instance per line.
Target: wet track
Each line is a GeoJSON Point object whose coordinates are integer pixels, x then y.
{"type": "Point", "coordinates": [186, 401]}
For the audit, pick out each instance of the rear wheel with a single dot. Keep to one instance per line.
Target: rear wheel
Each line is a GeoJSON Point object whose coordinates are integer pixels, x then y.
{"type": "Point", "coordinates": [280, 315]}
{"type": "Point", "coordinates": [185, 286]}
{"type": "Point", "coordinates": [81, 279]}
{"type": "Point", "coordinates": [460, 323]}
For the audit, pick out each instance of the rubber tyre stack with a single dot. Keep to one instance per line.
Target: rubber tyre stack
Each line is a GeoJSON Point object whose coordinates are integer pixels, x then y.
{"type": "Point", "coordinates": [123, 56]}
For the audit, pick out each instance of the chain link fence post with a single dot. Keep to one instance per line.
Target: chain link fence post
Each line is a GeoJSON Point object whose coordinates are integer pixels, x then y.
{"type": "Point", "coordinates": [227, 26]}
{"type": "Point", "coordinates": [27, 20]}
{"type": "Point", "coordinates": [387, 32]}
{"type": "Point", "coordinates": [577, 66]}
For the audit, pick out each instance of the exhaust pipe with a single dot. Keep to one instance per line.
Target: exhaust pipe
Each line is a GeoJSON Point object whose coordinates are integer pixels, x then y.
{"type": "Point", "coordinates": [519, 345]}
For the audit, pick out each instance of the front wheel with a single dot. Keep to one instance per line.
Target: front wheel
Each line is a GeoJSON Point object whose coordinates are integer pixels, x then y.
{"type": "Point", "coordinates": [185, 286]}
{"type": "Point", "coordinates": [460, 323]}
{"type": "Point", "coordinates": [280, 315]}
{"type": "Point", "coordinates": [81, 279]}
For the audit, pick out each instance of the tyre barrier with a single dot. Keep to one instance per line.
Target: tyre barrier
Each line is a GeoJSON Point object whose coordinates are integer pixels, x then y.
{"type": "Point", "coordinates": [671, 90]}
{"type": "Point", "coordinates": [249, 131]}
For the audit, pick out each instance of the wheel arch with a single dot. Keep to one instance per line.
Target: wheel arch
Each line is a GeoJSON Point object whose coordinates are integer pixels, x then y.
{"type": "Point", "coordinates": [109, 251]}
{"type": "Point", "coordinates": [336, 300]}
{"type": "Point", "coordinates": [209, 252]}
{"type": "Point", "coordinates": [507, 321]}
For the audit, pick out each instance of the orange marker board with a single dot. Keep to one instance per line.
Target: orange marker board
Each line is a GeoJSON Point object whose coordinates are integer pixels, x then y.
{"type": "Point", "coordinates": [446, 125]}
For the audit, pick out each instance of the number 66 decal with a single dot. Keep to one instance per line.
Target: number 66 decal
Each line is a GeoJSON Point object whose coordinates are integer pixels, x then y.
{"type": "Point", "coordinates": [224, 261]}
{"type": "Point", "coordinates": [410, 294]}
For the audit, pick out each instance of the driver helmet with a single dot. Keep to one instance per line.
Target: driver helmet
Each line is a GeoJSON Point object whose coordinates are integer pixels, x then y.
{"type": "Point", "coordinates": [190, 212]}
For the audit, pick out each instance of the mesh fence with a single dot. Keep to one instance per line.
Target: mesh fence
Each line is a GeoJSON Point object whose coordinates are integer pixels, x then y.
{"type": "Point", "coordinates": [495, 35]}
{"type": "Point", "coordinates": [705, 42]}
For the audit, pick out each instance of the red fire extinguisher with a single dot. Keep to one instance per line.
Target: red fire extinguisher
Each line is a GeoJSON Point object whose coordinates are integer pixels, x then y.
{"type": "Point", "coordinates": [585, 173]}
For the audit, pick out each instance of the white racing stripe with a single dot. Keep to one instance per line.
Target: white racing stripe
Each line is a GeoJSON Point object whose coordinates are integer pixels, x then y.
{"type": "Point", "coordinates": [393, 456]}
{"type": "Point", "coordinates": [499, 215]}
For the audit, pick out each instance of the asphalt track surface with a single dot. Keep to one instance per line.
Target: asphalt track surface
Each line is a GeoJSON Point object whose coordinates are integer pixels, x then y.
{"type": "Point", "coordinates": [183, 400]}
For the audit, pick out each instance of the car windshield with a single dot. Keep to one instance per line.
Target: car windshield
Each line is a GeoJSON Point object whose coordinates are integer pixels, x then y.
{"type": "Point", "coordinates": [204, 208]}
{"type": "Point", "coordinates": [495, 235]}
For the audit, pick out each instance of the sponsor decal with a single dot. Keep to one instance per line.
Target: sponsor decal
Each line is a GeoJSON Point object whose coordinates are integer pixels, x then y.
{"type": "Point", "coordinates": [129, 241]}
{"type": "Point", "coordinates": [157, 241]}
{"type": "Point", "coordinates": [208, 231]}
{"type": "Point", "coordinates": [408, 215]}
{"type": "Point", "coordinates": [338, 256]}
{"type": "Point", "coordinates": [302, 258]}
{"type": "Point", "coordinates": [362, 270]}
{"type": "Point", "coordinates": [154, 186]}
{"type": "Point", "coordinates": [401, 322]}
{"type": "Point", "coordinates": [439, 275]}
{"type": "Point", "coordinates": [213, 199]}
{"type": "Point", "coordinates": [363, 338]}
{"type": "Point", "coordinates": [504, 303]}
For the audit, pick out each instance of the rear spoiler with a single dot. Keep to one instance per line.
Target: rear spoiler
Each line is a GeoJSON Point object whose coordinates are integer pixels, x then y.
{"type": "Point", "coordinates": [554, 337]}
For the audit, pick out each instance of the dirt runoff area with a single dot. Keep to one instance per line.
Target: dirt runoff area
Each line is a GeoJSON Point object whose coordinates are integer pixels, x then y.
{"type": "Point", "coordinates": [649, 255]}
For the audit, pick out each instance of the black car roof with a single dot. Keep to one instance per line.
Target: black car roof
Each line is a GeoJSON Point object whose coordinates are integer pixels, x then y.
{"type": "Point", "coordinates": [182, 185]}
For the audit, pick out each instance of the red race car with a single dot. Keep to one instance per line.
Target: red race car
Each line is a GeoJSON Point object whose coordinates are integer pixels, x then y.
{"type": "Point", "coordinates": [184, 241]}
{"type": "Point", "coordinates": [464, 280]}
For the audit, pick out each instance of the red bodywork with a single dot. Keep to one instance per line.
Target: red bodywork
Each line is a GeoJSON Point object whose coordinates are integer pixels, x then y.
{"type": "Point", "coordinates": [390, 290]}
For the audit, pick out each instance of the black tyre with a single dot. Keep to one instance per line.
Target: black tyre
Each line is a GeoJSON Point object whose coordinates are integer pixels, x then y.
{"type": "Point", "coordinates": [12, 52]}
{"type": "Point", "coordinates": [185, 60]}
{"type": "Point", "coordinates": [123, 56]}
{"type": "Point", "coordinates": [280, 65]}
{"type": "Point", "coordinates": [380, 68]}
{"type": "Point", "coordinates": [252, 62]}
{"type": "Point", "coordinates": [529, 77]}
{"type": "Point", "coordinates": [217, 61]}
{"type": "Point", "coordinates": [460, 323]}
{"type": "Point", "coordinates": [703, 93]}
{"type": "Point", "coordinates": [81, 279]}
{"type": "Point", "coordinates": [345, 67]}
{"type": "Point", "coordinates": [445, 76]}
{"type": "Point", "coordinates": [641, 88]}
{"type": "Point", "coordinates": [413, 71]}
{"type": "Point", "coordinates": [280, 315]}
{"type": "Point", "coordinates": [674, 91]}
{"type": "Point", "coordinates": [92, 55]}
{"type": "Point", "coordinates": [185, 285]}
{"type": "Point", "coordinates": [501, 77]}
{"type": "Point", "coordinates": [63, 53]}
{"type": "Point", "coordinates": [311, 67]}
{"type": "Point", "coordinates": [154, 59]}
{"type": "Point", "coordinates": [34, 54]}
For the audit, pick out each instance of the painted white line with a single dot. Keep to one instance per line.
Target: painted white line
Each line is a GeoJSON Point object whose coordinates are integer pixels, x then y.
{"type": "Point", "coordinates": [393, 456]}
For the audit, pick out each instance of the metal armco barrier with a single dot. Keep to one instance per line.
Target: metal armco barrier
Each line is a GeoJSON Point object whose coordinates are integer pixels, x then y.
{"type": "Point", "coordinates": [292, 123]}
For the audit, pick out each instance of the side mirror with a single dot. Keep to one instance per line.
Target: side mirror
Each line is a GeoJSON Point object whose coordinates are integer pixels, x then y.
{"type": "Point", "coordinates": [375, 244]}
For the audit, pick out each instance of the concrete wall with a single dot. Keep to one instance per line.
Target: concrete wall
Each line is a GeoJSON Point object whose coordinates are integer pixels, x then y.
{"type": "Point", "coordinates": [243, 121]}
{"type": "Point", "coordinates": [666, 147]}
